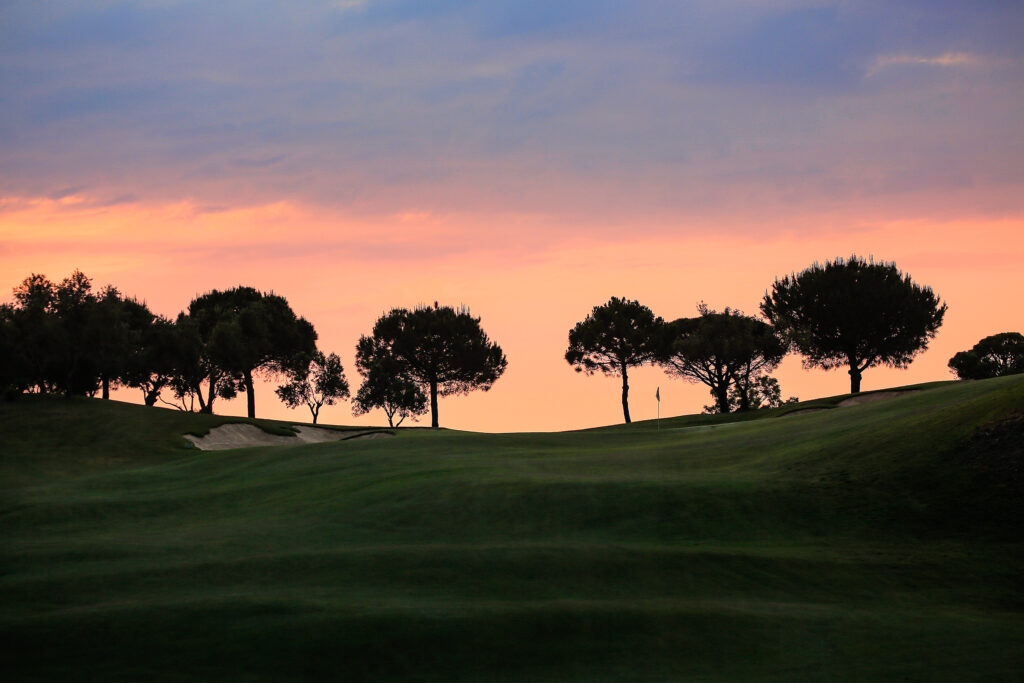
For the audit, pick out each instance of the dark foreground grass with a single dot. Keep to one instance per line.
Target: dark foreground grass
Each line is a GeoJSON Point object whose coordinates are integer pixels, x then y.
{"type": "Point", "coordinates": [877, 542]}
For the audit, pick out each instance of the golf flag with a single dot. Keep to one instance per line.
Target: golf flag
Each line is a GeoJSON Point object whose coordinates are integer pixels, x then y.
{"type": "Point", "coordinates": [657, 395]}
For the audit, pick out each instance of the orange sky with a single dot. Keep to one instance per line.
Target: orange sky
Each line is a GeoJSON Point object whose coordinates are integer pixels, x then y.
{"type": "Point", "coordinates": [528, 282]}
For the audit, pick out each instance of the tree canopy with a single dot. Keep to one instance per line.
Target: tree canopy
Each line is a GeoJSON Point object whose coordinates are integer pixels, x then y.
{"type": "Point", "coordinates": [242, 332]}
{"type": "Point", "coordinates": [721, 350]}
{"type": "Point", "coordinates": [386, 386]}
{"type": "Point", "coordinates": [152, 364]}
{"type": "Point", "coordinates": [192, 367]}
{"type": "Point", "coordinates": [125, 334]}
{"type": "Point", "coordinates": [71, 340]}
{"type": "Point", "coordinates": [321, 382]}
{"type": "Point", "coordinates": [442, 349]}
{"type": "Point", "coordinates": [761, 392]}
{"type": "Point", "coordinates": [994, 356]}
{"type": "Point", "coordinates": [12, 361]}
{"type": "Point", "coordinates": [55, 322]}
{"type": "Point", "coordinates": [614, 337]}
{"type": "Point", "coordinates": [854, 313]}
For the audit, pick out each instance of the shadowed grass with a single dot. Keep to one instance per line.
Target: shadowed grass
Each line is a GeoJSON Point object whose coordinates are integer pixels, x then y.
{"type": "Point", "coordinates": [864, 543]}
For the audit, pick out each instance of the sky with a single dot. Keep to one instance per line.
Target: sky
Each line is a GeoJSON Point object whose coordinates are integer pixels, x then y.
{"type": "Point", "coordinates": [527, 159]}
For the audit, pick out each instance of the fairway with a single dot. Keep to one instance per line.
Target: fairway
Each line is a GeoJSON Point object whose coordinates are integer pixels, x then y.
{"type": "Point", "coordinates": [879, 541]}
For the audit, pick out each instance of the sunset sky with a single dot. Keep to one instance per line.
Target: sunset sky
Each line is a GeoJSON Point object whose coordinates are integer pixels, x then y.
{"type": "Point", "coordinates": [528, 159]}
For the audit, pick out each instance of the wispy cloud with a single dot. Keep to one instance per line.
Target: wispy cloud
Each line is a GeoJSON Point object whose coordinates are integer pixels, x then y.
{"type": "Point", "coordinates": [947, 59]}
{"type": "Point", "coordinates": [581, 111]}
{"type": "Point", "coordinates": [349, 5]}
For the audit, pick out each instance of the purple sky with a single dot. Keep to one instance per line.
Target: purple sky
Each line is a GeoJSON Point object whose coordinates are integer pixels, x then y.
{"type": "Point", "coordinates": [572, 109]}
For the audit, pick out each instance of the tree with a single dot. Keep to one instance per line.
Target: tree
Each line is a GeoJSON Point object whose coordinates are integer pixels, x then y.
{"type": "Point", "coordinates": [442, 349]}
{"type": "Point", "coordinates": [152, 364]}
{"type": "Point", "coordinates": [994, 356]}
{"type": "Point", "coordinates": [721, 350]}
{"type": "Point", "coordinates": [854, 313]}
{"type": "Point", "coordinates": [386, 386]}
{"type": "Point", "coordinates": [55, 328]}
{"type": "Point", "coordinates": [33, 328]}
{"type": "Point", "coordinates": [762, 392]}
{"type": "Point", "coordinates": [121, 328]}
{"type": "Point", "coordinates": [113, 337]}
{"type": "Point", "coordinates": [76, 342]}
{"type": "Point", "coordinates": [192, 366]}
{"type": "Point", "coordinates": [243, 332]}
{"type": "Point", "coordinates": [760, 351]}
{"type": "Point", "coordinates": [76, 308]}
{"type": "Point", "coordinates": [12, 359]}
{"type": "Point", "coordinates": [321, 382]}
{"type": "Point", "coordinates": [614, 337]}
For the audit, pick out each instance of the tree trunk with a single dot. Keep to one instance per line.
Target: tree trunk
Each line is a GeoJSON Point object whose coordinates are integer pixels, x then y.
{"type": "Point", "coordinates": [315, 411]}
{"type": "Point", "coordinates": [151, 397]}
{"type": "Point", "coordinates": [625, 394]}
{"type": "Point", "coordinates": [720, 388]}
{"type": "Point", "coordinates": [744, 390]}
{"type": "Point", "coordinates": [208, 406]}
{"type": "Point", "coordinates": [855, 373]}
{"type": "Point", "coordinates": [722, 397]}
{"type": "Point", "coordinates": [250, 394]}
{"type": "Point", "coordinates": [106, 387]}
{"type": "Point", "coordinates": [433, 405]}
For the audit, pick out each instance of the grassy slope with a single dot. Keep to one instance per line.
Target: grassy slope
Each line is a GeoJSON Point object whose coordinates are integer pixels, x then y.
{"type": "Point", "coordinates": [851, 544]}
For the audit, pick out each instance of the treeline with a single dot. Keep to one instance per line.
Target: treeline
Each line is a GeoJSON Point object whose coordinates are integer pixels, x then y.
{"type": "Point", "coordinates": [851, 313]}
{"type": "Point", "coordinates": [66, 338]}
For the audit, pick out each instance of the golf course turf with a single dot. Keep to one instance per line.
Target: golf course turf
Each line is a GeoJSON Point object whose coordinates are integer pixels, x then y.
{"type": "Point", "coordinates": [880, 542]}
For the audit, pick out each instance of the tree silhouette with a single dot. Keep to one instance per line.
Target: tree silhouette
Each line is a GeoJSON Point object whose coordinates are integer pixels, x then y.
{"type": "Point", "coordinates": [763, 391]}
{"type": "Point", "coordinates": [12, 358]}
{"type": "Point", "coordinates": [721, 350]}
{"type": "Point", "coordinates": [114, 342]}
{"type": "Point", "coordinates": [55, 326]}
{"type": "Point", "coordinates": [35, 329]}
{"type": "Point", "coordinates": [152, 364]}
{"type": "Point", "coordinates": [243, 332]}
{"type": "Point", "coordinates": [321, 382]}
{"type": "Point", "coordinates": [74, 341]}
{"type": "Point", "coordinates": [614, 337]}
{"type": "Point", "coordinates": [994, 356]}
{"type": "Point", "coordinates": [442, 349]}
{"type": "Point", "coordinates": [120, 328]}
{"type": "Point", "coordinates": [386, 386]}
{"type": "Point", "coordinates": [854, 313]}
{"type": "Point", "coordinates": [194, 366]}
{"type": "Point", "coordinates": [75, 368]}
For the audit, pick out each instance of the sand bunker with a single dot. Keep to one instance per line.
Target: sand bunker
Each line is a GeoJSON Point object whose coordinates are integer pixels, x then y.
{"type": "Point", "coordinates": [243, 435]}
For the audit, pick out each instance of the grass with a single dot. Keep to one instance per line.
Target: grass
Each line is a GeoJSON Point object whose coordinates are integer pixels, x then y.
{"type": "Point", "coordinates": [874, 542]}
{"type": "Point", "coordinates": [703, 419]}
